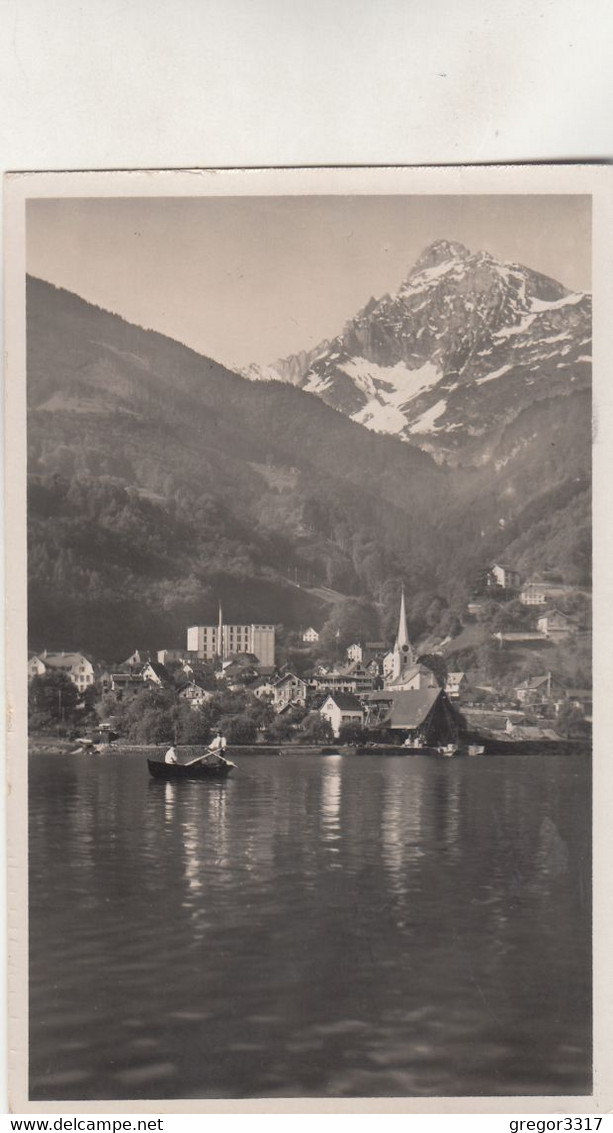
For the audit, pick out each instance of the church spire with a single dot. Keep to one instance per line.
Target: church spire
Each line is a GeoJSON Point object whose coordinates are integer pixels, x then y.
{"type": "Point", "coordinates": [403, 653]}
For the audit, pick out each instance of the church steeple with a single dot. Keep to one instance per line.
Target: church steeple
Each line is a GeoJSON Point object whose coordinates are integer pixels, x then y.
{"type": "Point", "coordinates": [403, 653]}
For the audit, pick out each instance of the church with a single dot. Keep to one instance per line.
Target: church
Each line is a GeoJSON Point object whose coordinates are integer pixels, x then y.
{"type": "Point", "coordinates": [407, 674]}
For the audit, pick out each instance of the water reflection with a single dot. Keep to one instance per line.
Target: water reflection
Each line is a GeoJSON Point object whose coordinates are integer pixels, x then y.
{"type": "Point", "coordinates": [344, 927]}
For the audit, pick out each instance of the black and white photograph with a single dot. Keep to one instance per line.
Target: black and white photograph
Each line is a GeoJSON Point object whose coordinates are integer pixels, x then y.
{"type": "Point", "coordinates": [309, 638]}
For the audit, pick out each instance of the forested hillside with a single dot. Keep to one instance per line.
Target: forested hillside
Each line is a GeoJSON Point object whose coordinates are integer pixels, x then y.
{"type": "Point", "coordinates": [160, 482]}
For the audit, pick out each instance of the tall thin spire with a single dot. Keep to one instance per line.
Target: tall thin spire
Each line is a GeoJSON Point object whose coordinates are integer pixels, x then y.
{"type": "Point", "coordinates": [403, 633]}
{"type": "Point", "coordinates": [403, 653]}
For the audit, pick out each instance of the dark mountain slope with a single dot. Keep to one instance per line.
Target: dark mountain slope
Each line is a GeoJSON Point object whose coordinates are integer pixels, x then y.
{"type": "Point", "coordinates": [161, 480]}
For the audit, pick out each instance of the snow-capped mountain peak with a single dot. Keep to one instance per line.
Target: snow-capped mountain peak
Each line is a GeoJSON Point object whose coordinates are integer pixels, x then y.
{"type": "Point", "coordinates": [463, 345]}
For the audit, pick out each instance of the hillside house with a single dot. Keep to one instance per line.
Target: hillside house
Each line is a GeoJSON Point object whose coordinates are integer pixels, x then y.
{"type": "Point", "coordinates": [504, 576]}
{"type": "Point", "coordinates": [421, 716]}
{"type": "Point", "coordinates": [581, 699]}
{"type": "Point", "coordinates": [541, 690]}
{"type": "Point", "coordinates": [164, 656]}
{"type": "Point", "coordinates": [125, 685]}
{"type": "Point", "coordinates": [287, 690]}
{"type": "Point", "coordinates": [310, 636]}
{"type": "Point", "coordinates": [456, 685]}
{"type": "Point", "coordinates": [556, 625]}
{"type": "Point", "coordinates": [156, 674]}
{"type": "Point", "coordinates": [76, 666]}
{"type": "Point", "coordinates": [136, 660]}
{"type": "Point", "coordinates": [353, 678]}
{"type": "Point", "coordinates": [341, 708]}
{"type": "Point", "coordinates": [365, 653]}
{"type": "Point", "coordinates": [194, 694]}
{"type": "Point", "coordinates": [518, 637]}
{"type": "Point", "coordinates": [264, 689]}
{"type": "Point", "coordinates": [543, 593]}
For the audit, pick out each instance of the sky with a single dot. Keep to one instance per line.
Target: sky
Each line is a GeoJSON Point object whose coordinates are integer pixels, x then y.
{"type": "Point", "coordinates": [252, 279]}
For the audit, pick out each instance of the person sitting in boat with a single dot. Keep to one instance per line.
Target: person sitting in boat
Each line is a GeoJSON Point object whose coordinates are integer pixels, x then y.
{"type": "Point", "coordinates": [171, 755]}
{"type": "Point", "coordinates": [214, 755]}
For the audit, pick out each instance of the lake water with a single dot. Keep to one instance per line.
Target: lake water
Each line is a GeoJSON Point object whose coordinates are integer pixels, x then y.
{"type": "Point", "coordinates": [327, 927]}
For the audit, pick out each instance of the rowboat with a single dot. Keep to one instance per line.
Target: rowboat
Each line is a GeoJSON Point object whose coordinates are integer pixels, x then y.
{"type": "Point", "coordinates": [161, 770]}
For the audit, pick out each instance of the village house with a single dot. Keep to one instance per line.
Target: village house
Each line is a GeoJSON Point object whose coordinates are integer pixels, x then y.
{"type": "Point", "coordinates": [194, 694]}
{"type": "Point", "coordinates": [556, 625]}
{"type": "Point", "coordinates": [456, 685]}
{"type": "Point", "coordinates": [264, 688]}
{"type": "Point", "coordinates": [341, 708]}
{"type": "Point", "coordinates": [136, 660]}
{"type": "Point", "coordinates": [365, 653]}
{"type": "Point", "coordinates": [387, 664]}
{"type": "Point", "coordinates": [581, 699]}
{"type": "Point", "coordinates": [164, 656]}
{"type": "Point", "coordinates": [353, 678]}
{"type": "Point", "coordinates": [156, 674]}
{"type": "Point", "coordinates": [310, 636]}
{"type": "Point", "coordinates": [541, 593]}
{"type": "Point", "coordinates": [504, 576]}
{"type": "Point", "coordinates": [541, 690]}
{"type": "Point", "coordinates": [126, 684]}
{"type": "Point", "coordinates": [518, 637]}
{"type": "Point", "coordinates": [288, 689]}
{"type": "Point", "coordinates": [76, 666]}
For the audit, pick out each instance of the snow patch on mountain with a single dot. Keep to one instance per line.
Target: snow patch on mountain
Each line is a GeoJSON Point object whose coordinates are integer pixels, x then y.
{"type": "Point", "coordinates": [379, 417]}
{"type": "Point", "coordinates": [396, 384]}
{"type": "Point", "coordinates": [496, 374]}
{"type": "Point", "coordinates": [318, 383]}
{"type": "Point", "coordinates": [565, 301]}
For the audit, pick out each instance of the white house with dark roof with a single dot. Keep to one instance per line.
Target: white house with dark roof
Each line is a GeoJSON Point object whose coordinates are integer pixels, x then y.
{"type": "Point", "coordinates": [542, 593]}
{"type": "Point", "coordinates": [505, 576]}
{"type": "Point", "coordinates": [341, 708]}
{"type": "Point", "coordinates": [156, 674]}
{"type": "Point", "coordinates": [455, 685]}
{"type": "Point", "coordinates": [75, 665]}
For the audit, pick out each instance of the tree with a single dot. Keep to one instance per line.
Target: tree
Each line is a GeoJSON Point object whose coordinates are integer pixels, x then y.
{"type": "Point", "coordinates": [570, 722]}
{"type": "Point", "coordinates": [279, 730]}
{"type": "Point", "coordinates": [191, 725]}
{"type": "Point", "coordinates": [437, 664]}
{"type": "Point", "coordinates": [351, 734]}
{"type": "Point", "coordinates": [52, 699]}
{"type": "Point", "coordinates": [155, 726]}
{"type": "Point", "coordinates": [239, 729]}
{"type": "Point", "coordinates": [316, 729]}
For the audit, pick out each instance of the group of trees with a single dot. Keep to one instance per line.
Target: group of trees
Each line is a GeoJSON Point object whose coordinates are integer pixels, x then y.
{"type": "Point", "coordinates": [157, 715]}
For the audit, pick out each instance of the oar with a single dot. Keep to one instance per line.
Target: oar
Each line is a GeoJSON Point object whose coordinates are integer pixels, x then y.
{"type": "Point", "coordinates": [198, 759]}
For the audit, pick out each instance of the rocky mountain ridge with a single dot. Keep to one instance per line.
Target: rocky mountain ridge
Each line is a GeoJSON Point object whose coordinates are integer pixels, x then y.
{"type": "Point", "coordinates": [455, 355]}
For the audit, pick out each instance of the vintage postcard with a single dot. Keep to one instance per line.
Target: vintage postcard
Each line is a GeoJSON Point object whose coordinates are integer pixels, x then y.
{"type": "Point", "coordinates": [308, 780]}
